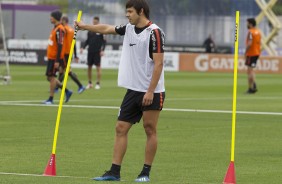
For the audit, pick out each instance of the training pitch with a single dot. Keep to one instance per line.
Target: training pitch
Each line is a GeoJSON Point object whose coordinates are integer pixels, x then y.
{"type": "Point", "coordinates": [194, 130]}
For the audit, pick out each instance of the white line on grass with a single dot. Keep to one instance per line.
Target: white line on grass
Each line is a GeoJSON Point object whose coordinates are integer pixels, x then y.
{"type": "Point", "coordinates": [40, 175]}
{"type": "Point", "coordinates": [76, 177]}
{"type": "Point", "coordinates": [247, 97]}
{"type": "Point", "coordinates": [165, 109]}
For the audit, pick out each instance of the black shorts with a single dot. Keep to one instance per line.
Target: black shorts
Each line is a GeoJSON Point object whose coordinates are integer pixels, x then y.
{"type": "Point", "coordinates": [66, 60]}
{"type": "Point", "coordinates": [131, 109]}
{"type": "Point", "coordinates": [51, 68]}
{"type": "Point", "coordinates": [94, 58]}
{"type": "Point", "coordinates": [251, 61]}
{"type": "Point", "coordinates": [63, 62]}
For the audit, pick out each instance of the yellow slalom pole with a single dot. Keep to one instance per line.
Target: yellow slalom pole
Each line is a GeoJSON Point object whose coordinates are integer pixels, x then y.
{"type": "Point", "coordinates": [64, 87]}
{"type": "Point", "coordinates": [230, 174]}
{"type": "Point", "coordinates": [235, 85]}
{"type": "Point", "coordinates": [50, 169]}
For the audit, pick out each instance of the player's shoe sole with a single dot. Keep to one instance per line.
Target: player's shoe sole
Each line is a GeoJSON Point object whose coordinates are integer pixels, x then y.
{"type": "Point", "coordinates": [81, 89]}
{"type": "Point", "coordinates": [108, 176]}
{"type": "Point", "coordinates": [142, 179]}
{"type": "Point", "coordinates": [48, 102]}
{"type": "Point", "coordinates": [89, 86]}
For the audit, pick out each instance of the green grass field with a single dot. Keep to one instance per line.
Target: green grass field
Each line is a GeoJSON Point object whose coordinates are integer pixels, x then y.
{"type": "Point", "coordinates": [194, 145]}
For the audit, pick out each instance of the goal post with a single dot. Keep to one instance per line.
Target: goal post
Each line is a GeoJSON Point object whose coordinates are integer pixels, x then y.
{"type": "Point", "coordinates": [4, 62]}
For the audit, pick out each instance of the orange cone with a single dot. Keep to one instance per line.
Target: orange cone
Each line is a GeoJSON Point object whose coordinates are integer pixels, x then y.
{"type": "Point", "coordinates": [50, 169]}
{"type": "Point", "coordinates": [230, 174]}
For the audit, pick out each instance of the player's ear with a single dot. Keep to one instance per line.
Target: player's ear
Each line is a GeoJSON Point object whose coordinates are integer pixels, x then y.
{"type": "Point", "coordinates": [141, 12]}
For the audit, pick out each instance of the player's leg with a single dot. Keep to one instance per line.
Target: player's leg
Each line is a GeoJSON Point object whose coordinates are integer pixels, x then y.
{"type": "Point", "coordinates": [51, 73]}
{"type": "Point", "coordinates": [120, 145]}
{"type": "Point", "coordinates": [97, 63]}
{"type": "Point", "coordinates": [90, 62]}
{"type": "Point", "coordinates": [150, 120]}
{"type": "Point", "coordinates": [99, 74]}
{"type": "Point", "coordinates": [250, 77]}
{"type": "Point", "coordinates": [89, 76]}
{"type": "Point", "coordinates": [129, 114]}
{"type": "Point", "coordinates": [67, 91]}
{"type": "Point", "coordinates": [61, 74]}
{"type": "Point", "coordinates": [251, 64]}
{"type": "Point", "coordinates": [74, 77]}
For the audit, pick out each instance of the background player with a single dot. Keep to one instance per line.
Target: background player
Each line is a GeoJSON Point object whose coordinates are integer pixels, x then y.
{"type": "Point", "coordinates": [55, 55]}
{"type": "Point", "coordinates": [96, 45]}
{"type": "Point", "coordinates": [67, 45]}
{"type": "Point", "coordinates": [253, 51]}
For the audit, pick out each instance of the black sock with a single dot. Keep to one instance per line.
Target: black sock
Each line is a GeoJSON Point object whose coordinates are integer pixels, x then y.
{"type": "Point", "coordinates": [98, 83]}
{"type": "Point", "coordinates": [61, 77]}
{"type": "Point", "coordinates": [75, 79]}
{"type": "Point", "coordinates": [115, 169]}
{"type": "Point", "coordinates": [50, 98]}
{"type": "Point", "coordinates": [255, 86]}
{"type": "Point", "coordinates": [89, 82]}
{"type": "Point", "coordinates": [146, 170]}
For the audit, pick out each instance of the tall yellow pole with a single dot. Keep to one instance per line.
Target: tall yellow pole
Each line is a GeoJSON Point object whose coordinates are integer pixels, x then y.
{"type": "Point", "coordinates": [235, 85]}
{"type": "Point", "coordinates": [64, 87]}
{"type": "Point", "coordinates": [230, 174]}
{"type": "Point", "coordinates": [50, 169]}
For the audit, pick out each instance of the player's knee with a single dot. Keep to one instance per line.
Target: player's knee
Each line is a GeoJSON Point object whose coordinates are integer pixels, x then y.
{"type": "Point", "coordinates": [150, 129]}
{"type": "Point", "coordinates": [49, 78]}
{"type": "Point", "coordinates": [121, 129]}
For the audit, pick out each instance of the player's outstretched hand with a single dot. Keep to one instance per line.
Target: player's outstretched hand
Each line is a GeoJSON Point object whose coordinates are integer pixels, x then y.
{"type": "Point", "coordinates": [79, 24]}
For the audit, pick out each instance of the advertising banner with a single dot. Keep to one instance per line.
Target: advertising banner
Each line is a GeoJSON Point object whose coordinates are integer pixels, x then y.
{"type": "Point", "coordinates": [224, 63]}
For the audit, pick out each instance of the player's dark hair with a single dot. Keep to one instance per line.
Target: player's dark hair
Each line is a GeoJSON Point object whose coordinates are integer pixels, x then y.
{"type": "Point", "coordinates": [252, 21]}
{"type": "Point", "coordinates": [66, 19]}
{"type": "Point", "coordinates": [138, 5]}
{"type": "Point", "coordinates": [96, 18]}
{"type": "Point", "coordinates": [56, 14]}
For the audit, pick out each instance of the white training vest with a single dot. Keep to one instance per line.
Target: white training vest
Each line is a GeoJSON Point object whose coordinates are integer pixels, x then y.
{"type": "Point", "coordinates": [136, 67]}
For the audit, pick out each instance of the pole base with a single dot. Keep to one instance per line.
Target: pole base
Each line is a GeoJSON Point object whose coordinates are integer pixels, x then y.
{"type": "Point", "coordinates": [230, 174]}
{"type": "Point", "coordinates": [50, 169]}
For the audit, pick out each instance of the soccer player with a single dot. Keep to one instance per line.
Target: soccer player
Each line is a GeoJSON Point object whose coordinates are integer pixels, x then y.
{"type": "Point", "coordinates": [67, 45]}
{"type": "Point", "coordinates": [55, 55]}
{"type": "Point", "coordinates": [96, 45]}
{"type": "Point", "coordinates": [141, 73]}
{"type": "Point", "coordinates": [253, 50]}
{"type": "Point", "coordinates": [209, 44]}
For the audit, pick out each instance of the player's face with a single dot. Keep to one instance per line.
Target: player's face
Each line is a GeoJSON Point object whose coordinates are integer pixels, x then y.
{"type": "Point", "coordinates": [132, 16]}
{"type": "Point", "coordinates": [52, 20]}
{"type": "Point", "coordinates": [249, 26]}
{"type": "Point", "coordinates": [95, 22]}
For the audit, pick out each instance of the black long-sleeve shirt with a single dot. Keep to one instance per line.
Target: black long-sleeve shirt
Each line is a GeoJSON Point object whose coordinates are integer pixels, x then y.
{"type": "Point", "coordinates": [95, 42]}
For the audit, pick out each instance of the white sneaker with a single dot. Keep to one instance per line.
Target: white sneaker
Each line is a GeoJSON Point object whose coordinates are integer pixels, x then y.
{"type": "Point", "coordinates": [142, 179]}
{"type": "Point", "coordinates": [89, 86]}
{"type": "Point", "coordinates": [97, 86]}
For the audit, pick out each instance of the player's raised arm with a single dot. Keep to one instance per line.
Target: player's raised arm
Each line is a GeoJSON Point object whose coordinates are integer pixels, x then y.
{"type": "Point", "coordinates": [100, 28]}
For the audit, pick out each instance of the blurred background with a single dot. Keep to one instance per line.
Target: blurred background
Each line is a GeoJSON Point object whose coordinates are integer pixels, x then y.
{"type": "Point", "coordinates": [25, 27]}
{"type": "Point", "coordinates": [187, 23]}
